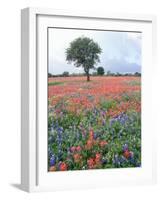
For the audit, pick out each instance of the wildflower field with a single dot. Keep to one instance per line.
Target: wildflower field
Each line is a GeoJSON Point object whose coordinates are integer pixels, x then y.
{"type": "Point", "coordinates": [95, 124]}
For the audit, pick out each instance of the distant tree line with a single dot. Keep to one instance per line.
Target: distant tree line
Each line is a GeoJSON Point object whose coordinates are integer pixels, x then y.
{"type": "Point", "coordinates": [109, 73]}
{"type": "Point", "coordinates": [99, 72]}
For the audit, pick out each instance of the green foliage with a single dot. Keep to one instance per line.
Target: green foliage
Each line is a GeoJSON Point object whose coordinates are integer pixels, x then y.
{"type": "Point", "coordinates": [100, 71]}
{"type": "Point", "coordinates": [65, 74]}
{"type": "Point", "coordinates": [55, 83]}
{"type": "Point", "coordinates": [137, 74]}
{"type": "Point", "coordinates": [108, 104]}
{"type": "Point", "coordinates": [131, 96]}
{"type": "Point", "coordinates": [83, 52]}
{"type": "Point", "coordinates": [134, 83]}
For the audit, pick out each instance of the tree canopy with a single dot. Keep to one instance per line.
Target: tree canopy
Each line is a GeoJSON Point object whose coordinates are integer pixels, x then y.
{"type": "Point", "coordinates": [84, 52]}
{"type": "Point", "coordinates": [100, 71]}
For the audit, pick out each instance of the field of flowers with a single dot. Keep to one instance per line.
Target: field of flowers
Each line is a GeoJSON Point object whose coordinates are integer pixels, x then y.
{"type": "Point", "coordinates": [94, 125]}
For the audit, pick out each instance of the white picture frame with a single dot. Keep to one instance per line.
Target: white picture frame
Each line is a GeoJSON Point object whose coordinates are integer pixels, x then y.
{"type": "Point", "coordinates": [34, 175]}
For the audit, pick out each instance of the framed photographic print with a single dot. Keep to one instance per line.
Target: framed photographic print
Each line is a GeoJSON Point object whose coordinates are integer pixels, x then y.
{"type": "Point", "coordinates": [86, 99]}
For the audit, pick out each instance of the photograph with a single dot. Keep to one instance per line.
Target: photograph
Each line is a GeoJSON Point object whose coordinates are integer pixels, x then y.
{"type": "Point", "coordinates": [94, 99]}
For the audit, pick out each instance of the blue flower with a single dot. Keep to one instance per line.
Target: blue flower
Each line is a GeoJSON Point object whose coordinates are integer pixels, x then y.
{"type": "Point", "coordinates": [50, 153]}
{"type": "Point", "coordinates": [104, 161]}
{"type": "Point", "coordinates": [116, 161]}
{"type": "Point", "coordinates": [52, 160]}
{"type": "Point", "coordinates": [122, 119]}
{"type": "Point", "coordinates": [95, 136]}
{"type": "Point", "coordinates": [125, 147]}
{"type": "Point", "coordinates": [103, 122]}
{"type": "Point", "coordinates": [122, 159]}
{"type": "Point", "coordinates": [78, 135]}
{"type": "Point", "coordinates": [132, 160]}
{"type": "Point", "coordinates": [112, 121]}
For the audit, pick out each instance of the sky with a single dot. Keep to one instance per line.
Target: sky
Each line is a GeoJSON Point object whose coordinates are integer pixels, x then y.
{"type": "Point", "coordinates": [121, 51]}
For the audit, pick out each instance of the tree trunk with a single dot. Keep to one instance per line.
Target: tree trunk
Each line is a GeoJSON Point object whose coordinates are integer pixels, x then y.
{"type": "Point", "coordinates": [88, 77]}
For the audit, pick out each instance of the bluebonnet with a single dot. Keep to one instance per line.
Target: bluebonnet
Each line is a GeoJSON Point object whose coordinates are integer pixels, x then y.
{"type": "Point", "coordinates": [122, 119]}
{"type": "Point", "coordinates": [119, 160]}
{"type": "Point", "coordinates": [52, 160]}
{"type": "Point", "coordinates": [138, 165]}
{"type": "Point", "coordinates": [104, 161]}
{"type": "Point", "coordinates": [103, 113]}
{"type": "Point", "coordinates": [50, 151]}
{"type": "Point", "coordinates": [122, 159]}
{"type": "Point", "coordinates": [125, 147]}
{"type": "Point", "coordinates": [116, 161]}
{"type": "Point", "coordinates": [112, 121]}
{"type": "Point", "coordinates": [132, 160]}
{"type": "Point", "coordinates": [103, 122]}
{"type": "Point", "coordinates": [95, 136]}
{"type": "Point", "coordinates": [59, 154]}
{"type": "Point", "coordinates": [59, 135]}
{"type": "Point", "coordinates": [95, 110]}
{"type": "Point", "coordinates": [59, 146]}
{"type": "Point", "coordinates": [68, 151]}
{"type": "Point", "coordinates": [78, 135]}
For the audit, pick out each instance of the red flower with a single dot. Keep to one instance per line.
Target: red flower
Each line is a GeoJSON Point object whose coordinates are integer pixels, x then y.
{"type": "Point", "coordinates": [127, 154]}
{"type": "Point", "coordinates": [91, 163]}
{"type": "Point", "coordinates": [114, 90]}
{"type": "Point", "coordinates": [103, 143]}
{"type": "Point", "coordinates": [73, 149]}
{"type": "Point", "coordinates": [78, 148]}
{"type": "Point", "coordinates": [91, 134]}
{"type": "Point", "coordinates": [52, 169]}
{"type": "Point", "coordinates": [77, 157]}
{"type": "Point", "coordinates": [63, 166]}
{"type": "Point", "coordinates": [89, 144]}
{"type": "Point", "coordinates": [98, 158]}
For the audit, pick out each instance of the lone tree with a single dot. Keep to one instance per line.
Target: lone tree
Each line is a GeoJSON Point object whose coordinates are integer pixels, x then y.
{"type": "Point", "coordinates": [83, 52]}
{"type": "Point", "coordinates": [65, 73]}
{"type": "Point", "coordinates": [100, 71]}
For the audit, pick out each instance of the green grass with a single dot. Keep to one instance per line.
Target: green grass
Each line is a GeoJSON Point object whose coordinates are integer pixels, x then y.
{"type": "Point", "coordinates": [108, 104]}
{"type": "Point", "coordinates": [134, 83]}
{"type": "Point", "coordinates": [131, 96]}
{"type": "Point", "coordinates": [55, 83]}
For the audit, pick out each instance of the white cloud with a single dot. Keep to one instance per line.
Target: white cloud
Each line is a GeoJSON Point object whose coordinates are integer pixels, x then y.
{"type": "Point", "coordinates": [118, 46]}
